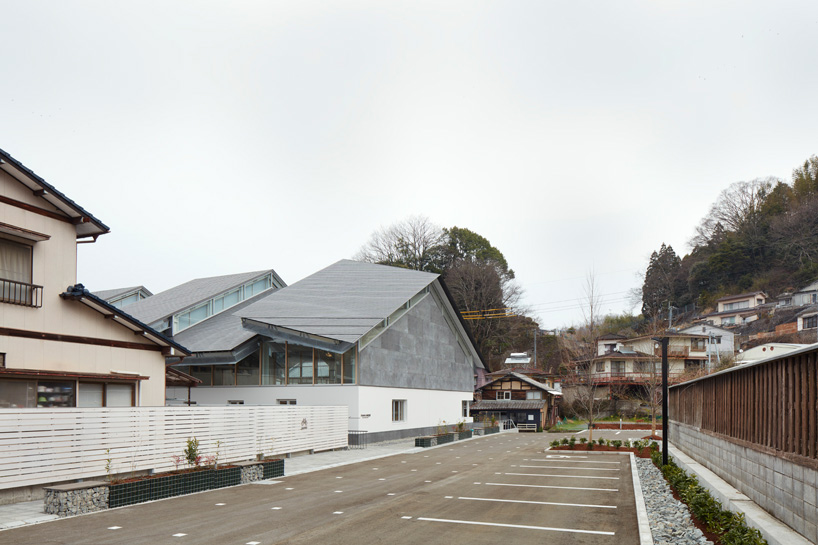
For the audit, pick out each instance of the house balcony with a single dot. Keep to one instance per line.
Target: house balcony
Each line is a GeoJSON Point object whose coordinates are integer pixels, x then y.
{"type": "Point", "coordinates": [20, 293]}
{"type": "Point", "coordinates": [673, 352]}
{"type": "Point", "coordinates": [621, 378]}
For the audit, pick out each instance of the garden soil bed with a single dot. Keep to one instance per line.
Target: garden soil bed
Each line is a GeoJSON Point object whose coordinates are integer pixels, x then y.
{"type": "Point", "coordinates": [625, 426]}
{"type": "Point", "coordinates": [642, 453]}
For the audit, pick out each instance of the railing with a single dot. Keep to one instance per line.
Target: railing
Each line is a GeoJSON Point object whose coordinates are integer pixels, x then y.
{"type": "Point", "coordinates": [621, 377]}
{"type": "Point", "coordinates": [509, 425]}
{"type": "Point", "coordinates": [673, 352]}
{"type": "Point", "coordinates": [20, 293]}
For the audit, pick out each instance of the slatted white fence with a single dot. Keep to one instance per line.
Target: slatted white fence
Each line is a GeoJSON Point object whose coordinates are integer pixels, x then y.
{"type": "Point", "coordinates": [39, 446]}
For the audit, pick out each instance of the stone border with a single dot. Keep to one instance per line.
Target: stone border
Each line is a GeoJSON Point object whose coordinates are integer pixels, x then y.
{"type": "Point", "coordinates": [645, 535]}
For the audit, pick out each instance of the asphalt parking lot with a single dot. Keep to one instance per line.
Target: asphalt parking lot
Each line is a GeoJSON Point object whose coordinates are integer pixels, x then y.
{"type": "Point", "coordinates": [488, 490]}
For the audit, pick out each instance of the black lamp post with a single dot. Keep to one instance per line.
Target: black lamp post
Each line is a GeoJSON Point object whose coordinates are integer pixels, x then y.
{"type": "Point", "coordinates": [664, 342]}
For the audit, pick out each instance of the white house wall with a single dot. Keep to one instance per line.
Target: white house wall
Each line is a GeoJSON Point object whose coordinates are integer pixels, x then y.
{"type": "Point", "coordinates": [424, 409]}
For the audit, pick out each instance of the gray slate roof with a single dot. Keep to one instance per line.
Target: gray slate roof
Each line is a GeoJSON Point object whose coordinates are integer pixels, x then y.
{"type": "Point", "coordinates": [116, 292]}
{"type": "Point", "coordinates": [343, 301]}
{"type": "Point", "coordinates": [221, 332]}
{"type": "Point", "coordinates": [505, 404]}
{"type": "Point", "coordinates": [186, 295]}
{"type": "Point", "coordinates": [529, 380]}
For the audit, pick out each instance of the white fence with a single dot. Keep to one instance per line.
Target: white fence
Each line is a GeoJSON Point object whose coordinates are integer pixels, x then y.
{"type": "Point", "coordinates": [39, 446]}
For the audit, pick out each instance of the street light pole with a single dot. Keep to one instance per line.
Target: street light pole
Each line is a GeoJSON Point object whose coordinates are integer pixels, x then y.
{"type": "Point", "coordinates": [664, 341]}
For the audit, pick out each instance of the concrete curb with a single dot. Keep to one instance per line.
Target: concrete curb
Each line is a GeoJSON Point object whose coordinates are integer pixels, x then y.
{"type": "Point", "coordinates": [645, 535]}
{"type": "Point", "coordinates": [772, 529]}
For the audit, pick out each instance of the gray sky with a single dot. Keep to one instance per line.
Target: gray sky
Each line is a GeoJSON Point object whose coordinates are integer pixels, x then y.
{"type": "Point", "coordinates": [222, 137]}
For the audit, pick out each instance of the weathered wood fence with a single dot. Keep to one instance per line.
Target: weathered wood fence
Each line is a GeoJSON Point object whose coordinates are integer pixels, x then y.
{"type": "Point", "coordinates": [39, 446]}
{"type": "Point", "coordinates": [771, 406]}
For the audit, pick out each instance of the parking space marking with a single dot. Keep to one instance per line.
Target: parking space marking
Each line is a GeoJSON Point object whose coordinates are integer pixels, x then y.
{"type": "Point", "coordinates": [538, 502]}
{"type": "Point", "coordinates": [520, 526]}
{"type": "Point", "coordinates": [568, 467]}
{"type": "Point", "coordinates": [564, 476]}
{"type": "Point", "coordinates": [550, 486]}
{"type": "Point", "coordinates": [115, 528]}
{"type": "Point", "coordinates": [562, 460]}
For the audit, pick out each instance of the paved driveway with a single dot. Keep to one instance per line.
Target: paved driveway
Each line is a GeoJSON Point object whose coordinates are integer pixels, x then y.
{"type": "Point", "coordinates": [502, 488]}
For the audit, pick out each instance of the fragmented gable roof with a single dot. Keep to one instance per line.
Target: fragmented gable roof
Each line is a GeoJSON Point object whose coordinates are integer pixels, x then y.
{"type": "Point", "coordinates": [85, 223]}
{"type": "Point", "coordinates": [526, 379]}
{"type": "Point", "coordinates": [186, 295]}
{"type": "Point", "coordinates": [341, 302]}
{"type": "Point", "coordinates": [114, 293]}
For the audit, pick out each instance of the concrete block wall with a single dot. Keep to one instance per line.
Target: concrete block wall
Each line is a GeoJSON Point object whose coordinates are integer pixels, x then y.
{"type": "Point", "coordinates": [787, 490]}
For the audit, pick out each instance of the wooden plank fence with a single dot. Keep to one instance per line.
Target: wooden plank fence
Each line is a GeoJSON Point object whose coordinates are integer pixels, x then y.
{"type": "Point", "coordinates": [40, 446]}
{"type": "Point", "coordinates": [772, 406]}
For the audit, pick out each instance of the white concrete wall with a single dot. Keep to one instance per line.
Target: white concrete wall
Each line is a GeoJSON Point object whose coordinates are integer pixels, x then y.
{"type": "Point", "coordinates": [424, 408]}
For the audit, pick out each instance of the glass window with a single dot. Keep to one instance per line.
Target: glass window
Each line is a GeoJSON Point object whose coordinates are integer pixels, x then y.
{"type": "Point", "coordinates": [18, 394]}
{"type": "Point", "coordinates": [119, 395]}
{"type": "Point", "coordinates": [533, 394]}
{"type": "Point", "coordinates": [55, 394]}
{"type": "Point", "coordinates": [810, 322]}
{"type": "Point", "coordinates": [299, 364]}
{"type": "Point", "coordinates": [90, 394]}
{"type": "Point", "coordinates": [600, 367]}
{"type": "Point", "coordinates": [286, 401]}
{"type": "Point", "coordinates": [272, 363]}
{"type": "Point", "coordinates": [224, 375]}
{"type": "Point", "coordinates": [327, 367]}
{"type": "Point", "coordinates": [15, 261]}
{"type": "Point", "coordinates": [349, 366]}
{"type": "Point", "coordinates": [203, 373]}
{"type": "Point", "coordinates": [247, 370]}
{"type": "Point", "coordinates": [465, 408]}
{"type": "Point", "coordinates": [398, 410]}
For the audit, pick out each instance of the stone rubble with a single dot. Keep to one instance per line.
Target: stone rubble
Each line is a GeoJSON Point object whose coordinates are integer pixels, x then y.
{"type": "Point", "coordinates": [75, 502]}
{"type": "Point", "coordinates": [669, 518]}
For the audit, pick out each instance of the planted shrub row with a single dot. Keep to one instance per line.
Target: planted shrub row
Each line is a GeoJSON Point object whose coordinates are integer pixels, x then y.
{"type": "Point", "coordinates": [729, 526]}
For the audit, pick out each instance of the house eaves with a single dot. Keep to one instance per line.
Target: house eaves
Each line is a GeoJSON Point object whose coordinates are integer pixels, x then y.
{"type": "Point", "coordinates": [82, 295]}
{"type": "Point", "coordinates": [85, 223]}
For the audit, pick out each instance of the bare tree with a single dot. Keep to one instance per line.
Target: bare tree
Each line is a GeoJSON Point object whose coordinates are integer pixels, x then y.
{"type": "Point", "coordinates": [589, 387]}
{"type": "Point", "coordinates": [738, 208]}
{"type": "Point", "coordinates": [412, 243]}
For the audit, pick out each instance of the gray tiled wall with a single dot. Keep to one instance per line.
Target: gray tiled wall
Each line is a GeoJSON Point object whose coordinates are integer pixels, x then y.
{"type": "Point", "coordinates": [785, 489]}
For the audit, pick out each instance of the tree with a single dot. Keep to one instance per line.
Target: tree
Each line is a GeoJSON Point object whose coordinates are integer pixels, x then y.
{"type": "Point", "coordinates": [662, 285]}
{"type": "Point", "coordinates": [413, 243]}
{"type": "Point", "coordinates": [589, 385]}
{"type": "Point", "coordinates": [805, 179]}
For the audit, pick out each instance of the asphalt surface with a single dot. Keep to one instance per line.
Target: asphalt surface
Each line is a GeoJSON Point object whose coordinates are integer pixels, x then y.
{"type": "Point", "coordinates": [502, 488]}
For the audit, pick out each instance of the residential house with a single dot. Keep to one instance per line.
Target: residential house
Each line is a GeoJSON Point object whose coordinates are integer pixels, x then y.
{"type": "Point", "coordinates": [64, 347]}
{"type": "Point", "coordinates": [764, 351]}
{"type": "Point", "coordinates": [385, 342]}
{"type": "Point", "coordinates": [519, 398]}
{"type": "Point", "coordinates": [808, 318]}
{"type": "Point", "coordinates": [625, 368]}
{"type": "Point", "coordinates": [721, 342]}
{"type": "Point", "coordinates": [808, 295]}
{"type": "Point", "coordinates": [737, 309]}
{"type": "Point", "coordinates": [516, 359]}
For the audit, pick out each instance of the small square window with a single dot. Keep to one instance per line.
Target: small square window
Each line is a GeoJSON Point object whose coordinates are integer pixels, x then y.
{"type": "Point", "coordinates": [286, 401]}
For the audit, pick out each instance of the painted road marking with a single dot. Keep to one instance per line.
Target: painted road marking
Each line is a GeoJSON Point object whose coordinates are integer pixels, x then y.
{"type": "Point", "coordinates": [275, 508]}
{"type": "Point", "coordinates": [538, 502]}
{"type": "Point", "coordinates": [574, 467]}
{"type": "Point", "coordinates": [381, 479]}
{"type": "Point", "coordinates": [549, 486]}
{"type": "Point", "coordinates": [573, 461]}
{"type": "Point", "coordinates": [564, 476]}
{"type": "Point", "coordinates": [521, 526]}
{"type": "Point", "coordinates": [338, 491]}
{"type": "Point", "coordinates": [337, 512]}
{"type": "Point", "coordinates": [179, 535]}
{"type": "Point", "coordinates": [253, 543]}
{"type": "Point", "coordinates": [406, 518]}
{"type": "Point", "coordinates": [391, 494]}
{"type": "Point", "coordinates": [115, 528]}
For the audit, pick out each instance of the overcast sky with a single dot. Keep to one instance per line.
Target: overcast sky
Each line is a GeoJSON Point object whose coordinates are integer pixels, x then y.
{"type": "Point", "coordinates": [223, 137]}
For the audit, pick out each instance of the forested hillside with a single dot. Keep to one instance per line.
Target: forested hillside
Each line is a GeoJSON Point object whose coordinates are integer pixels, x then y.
{"type": "Point", "coordinates": [758, 235]}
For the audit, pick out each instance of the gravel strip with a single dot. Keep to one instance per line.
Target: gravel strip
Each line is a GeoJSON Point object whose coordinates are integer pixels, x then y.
{"type": "Point", "coordinates": [669, 518]}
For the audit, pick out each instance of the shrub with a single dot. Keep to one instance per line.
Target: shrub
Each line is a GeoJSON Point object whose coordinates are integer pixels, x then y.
{"type": "Point", "coordinates": [192, 452]}
{"type": "Point", "coordinates": [564, 441]}
{"type": "Point", "coordinates": [583, 440]}
{"type": "Point", "coordinates": [616, 443]}
{"type": "Point", "coordinates": [555, 443]}
{"type": "Point", "coordinates": [572, 441]}
{"type": "Point", "coordinates": [600, 441]}
{"type": "Point", "coordinates": [627, 443]}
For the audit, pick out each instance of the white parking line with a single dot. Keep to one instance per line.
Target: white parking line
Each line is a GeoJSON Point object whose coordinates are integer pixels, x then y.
{"type": "Point", "coordinates": [564, 476]}
{"type": "Point", "coordinates": [569, 467]}
{"type": "Point", "coordinates": [549, 486]}
{"type": "Point", "coordinates": [521, 526]}
{"type": "Point", "coordinates": [539, 502]}
{"type": "Point", "coordinates": [564, 461]}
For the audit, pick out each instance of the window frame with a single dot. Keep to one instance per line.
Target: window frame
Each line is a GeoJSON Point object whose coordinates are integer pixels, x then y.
{"type": "Point", "coordinates": [399, 410]}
